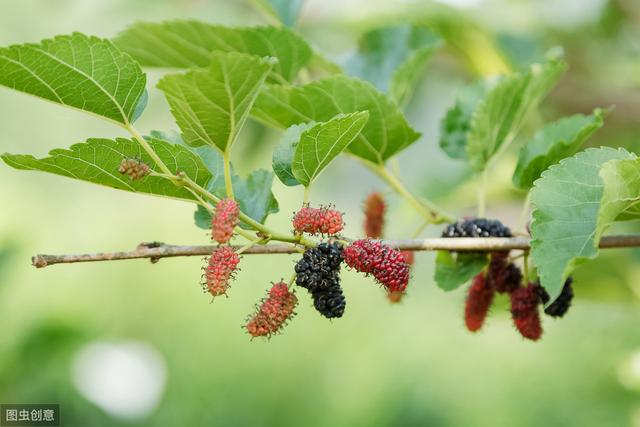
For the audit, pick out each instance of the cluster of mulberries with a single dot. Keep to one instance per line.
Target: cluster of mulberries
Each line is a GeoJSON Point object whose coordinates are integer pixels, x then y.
{"type": "Point", "coordinates": [383, 262]}
{"type": "Point", "coordinates": [374, 208]}
{"type": "Point", "coordinates": [477, 227]}
{"type": "Point", "coordinates": [318, 221]}
{"type": "Point", "coordinates": [274, 311]}
{"type": "Point", "coordinates": [224, 220]}
{"type": "Point", "coordinates": [220, 269]}
{"type": "Point", "coordinates": [319, 272]}
{"type": "Point", "coordinates": [504, 277]}
{"type": "Point", "coordinates": [134, 168]}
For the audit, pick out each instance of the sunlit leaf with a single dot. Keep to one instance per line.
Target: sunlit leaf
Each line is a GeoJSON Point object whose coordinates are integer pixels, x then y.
{"type": "Point", "coordinates": [385, 134]}
{"type": "Point", "coordinates": [98, 160]}
{"type": "Point", "coordinates": [82, 72]}
{"type": "Point", "coordinates": [553, 142]}
{"type": "Point", "coordinates": [187, 44]}
{"type": "Point", "coordinates": [284, 152]}
{"type": "Point", "coordinates": [211, 105]}
{"type": "Point", "coordinates": [320, 144]}
{"type": "Point", "coordinates": [498, 117]}
{"type": "Point", "coordinates": [574, 202]}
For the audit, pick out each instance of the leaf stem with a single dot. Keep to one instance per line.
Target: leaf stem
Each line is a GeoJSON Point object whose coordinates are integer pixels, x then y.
{"type": "Point", "coordinates": [424, 207]}
{"type": "Point", "coordinates": [145, 145]}
{"type": "Point", "coordinates": [247, 219]}
{"type": "Point", "coordinates": [182, 179]}
{"type": "Point", "coordinates": [305, 197]}
{"type": "Point", "coordinates": [227, 174]}
{"type": "Point", "coordinates": [482, 197]}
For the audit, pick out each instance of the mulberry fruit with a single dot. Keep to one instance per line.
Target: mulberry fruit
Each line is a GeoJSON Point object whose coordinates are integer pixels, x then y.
{"type": "Point", "coordinates": [477, 227]}
{"type": "Point", "coordinates": [273, 312]}
{"type": "Point", "coordinates": [134, 168]}
{"type": "Point", "coordinates": [220, 269]}
{"type": "Point", "coordinates": [323, 220]}
{"type": "Point", "coordinates": [561, 305]}
{"type": "Point", "coordinates": [330, 302]}
{"type": "Point", "coordinates": [374, 208]}
{"type": "Point", "coordinates": [524, 310]}
{"type": "Point", "coordinates": [503, 275]}
{"type": "Point", "coordinates": [319, 272]}
{"type": "Point", "coordinates": [386, 264]}
{"type": "Point", "coordinates": [479, 301]}
{"type": "Point", "coordinates": [224, 220]}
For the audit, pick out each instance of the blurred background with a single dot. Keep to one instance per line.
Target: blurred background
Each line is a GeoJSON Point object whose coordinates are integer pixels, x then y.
{"type": "Point", "coordinates": [138, 344]}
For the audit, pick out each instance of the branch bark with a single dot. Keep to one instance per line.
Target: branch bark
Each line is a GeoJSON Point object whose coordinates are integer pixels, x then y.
{"type": "Point", "coordinates": [156, 250]}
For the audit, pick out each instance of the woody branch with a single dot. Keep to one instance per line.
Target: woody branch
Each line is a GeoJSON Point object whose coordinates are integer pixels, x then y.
{"type": "Point", "coordinates": [156, 250]}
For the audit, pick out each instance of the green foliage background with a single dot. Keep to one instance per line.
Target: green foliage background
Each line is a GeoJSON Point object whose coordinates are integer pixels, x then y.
{"type": "Point", "coordinates": [380, 365]}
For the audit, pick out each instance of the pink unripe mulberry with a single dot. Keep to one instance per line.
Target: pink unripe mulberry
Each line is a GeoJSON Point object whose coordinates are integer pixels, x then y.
{"type": "Point", "coordinates": [524, 310]}
{"type": "Point", "coordinates": [478, 302]}
{"type": "Point", "coordinates": [220, 269]}
{"type": "Point", "coordinates": [321, 220]}
{"type": "Point", "coordinates": [386, 264]}
{"type": "Point", "coordinates": [224, 220]}
{"type": "Point", "coordinates": [374, 208]}
{"type": "Point", "coordinates": [273, 312]}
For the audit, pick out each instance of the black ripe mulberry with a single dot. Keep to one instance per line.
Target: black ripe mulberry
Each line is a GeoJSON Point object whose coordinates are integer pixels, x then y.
{"type": "Point", "coordinates": [561, 305]}
{"type": "Point", "coordinates": [477, 227]}
{"type": "Point", "coordinates": [319, 272]}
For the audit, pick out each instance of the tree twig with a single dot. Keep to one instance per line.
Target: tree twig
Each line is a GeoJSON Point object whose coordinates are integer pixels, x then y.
{"type": "Point", "coordinates": [156, 250]}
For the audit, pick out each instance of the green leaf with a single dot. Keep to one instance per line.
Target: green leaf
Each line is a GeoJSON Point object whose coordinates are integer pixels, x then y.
{"type": "Point", "coordinates": [456, 123]}
{"type": "Point", "coordinates": [211, 105]}
{"type": "Point", "coordinates": [574, 201]}
{"type": "Point", "coordinates": [286, 11]}
{"type": "Point", "coordinates": [385, 134]}
{"type": "Point", "coordinates": [498, 117]}
{"type": "Point", "coordinates": [453, 270]}
{"type": "Point", "coordinates": [188, 44]}
{"type": "Point", "coordinates": [98, 160]}
{"type": "Point", "coordinates": [320, 144]}
{"type": "Point", "coordinates": [392, 58]}
{"type": "Point", "coordinates": [252, 193]}
{"type": "Point", "coordinates": [82, 72]}
{"type": "Point", "coordinates": [553, 142]}
{"type": "Point", "coordinates": [284, 152]}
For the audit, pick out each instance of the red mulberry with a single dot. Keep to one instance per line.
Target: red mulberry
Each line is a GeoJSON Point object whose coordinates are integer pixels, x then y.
{"type": "Point", "coordinates": [386, 264]}
{"type": "Point", "coordinates": [479, 301]}
{"type": "Point", "coordinates": [273, 312]}
{"type": "Point", "coordinates": [322, 220]}
{"type": "Point", "coordinates": [220, 269]}
{"type": "Point", "coordinates": [224, 220]}
{"type": "Point", "coordinates": [524, 310]}
{"type": "Point", "coordinates": [134, 168]}
{"type": "Point", "coordinates": [374, 208]}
